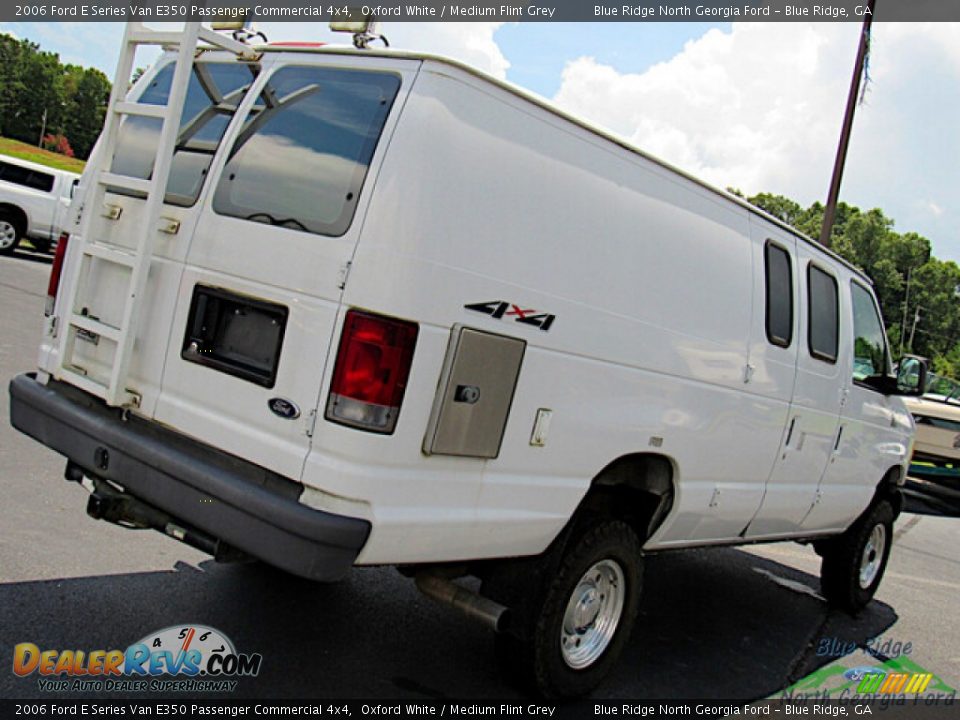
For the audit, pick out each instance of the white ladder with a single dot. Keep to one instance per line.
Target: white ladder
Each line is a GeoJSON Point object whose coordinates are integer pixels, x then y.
{"type": "Point", "coordinates": [114, 391]}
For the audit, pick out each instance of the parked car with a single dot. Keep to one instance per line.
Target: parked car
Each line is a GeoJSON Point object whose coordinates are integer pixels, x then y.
{"type": "Point", "coordinates": [387, 310]}
{"type": "Point", "coordinates": [34, 200]}
{"type": "Point", "coordinates": [937, 417]}
{"type": "Point", "coordinates": [938, 431]}
{"type": "Point", "coordinates": [935, 466]}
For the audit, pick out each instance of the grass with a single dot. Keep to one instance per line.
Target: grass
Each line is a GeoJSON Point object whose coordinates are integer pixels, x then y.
{"type": "Point", "coordinates": [21, 150]}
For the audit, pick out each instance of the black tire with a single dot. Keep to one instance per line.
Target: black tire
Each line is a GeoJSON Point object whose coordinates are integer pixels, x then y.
{"type": "Point", "coordinates": [846, 579]}
{"type": "Point", "coordinates": [532, 654]}
{"type": "Point", "coordinates": [11, 233]}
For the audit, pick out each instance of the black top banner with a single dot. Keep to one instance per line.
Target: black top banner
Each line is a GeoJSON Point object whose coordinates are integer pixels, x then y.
{"type": "Point", "coordinates": [184, 708]}
{"type": "Point", "coordinates": [517, 11]}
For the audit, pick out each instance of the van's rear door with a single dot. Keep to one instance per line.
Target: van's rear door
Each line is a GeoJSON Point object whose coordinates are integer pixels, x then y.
{"type": "Point", "coordinates": [216, 86]}
{"type": "Point", "coordinates": [259, 297]}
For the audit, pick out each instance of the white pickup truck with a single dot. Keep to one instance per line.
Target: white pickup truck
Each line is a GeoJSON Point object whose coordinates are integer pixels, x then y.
{"type": "Point", "coordinates": [33, 203]}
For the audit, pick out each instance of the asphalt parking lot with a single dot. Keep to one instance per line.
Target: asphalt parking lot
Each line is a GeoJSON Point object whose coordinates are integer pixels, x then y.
{"type": "Point", "coordinates": [726, 623]}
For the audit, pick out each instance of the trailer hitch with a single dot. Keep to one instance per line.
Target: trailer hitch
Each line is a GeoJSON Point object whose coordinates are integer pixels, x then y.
{"type": "Point", "coordinates": [107, 502]}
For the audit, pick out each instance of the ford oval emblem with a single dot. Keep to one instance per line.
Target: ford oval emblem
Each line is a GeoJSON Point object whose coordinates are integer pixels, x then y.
{"type": "Point", "coordinates": [283, 408]}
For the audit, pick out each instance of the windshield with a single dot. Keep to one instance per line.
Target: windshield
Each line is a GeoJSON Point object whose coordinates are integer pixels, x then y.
{"type": "Point", "coordinates": [942, 388]}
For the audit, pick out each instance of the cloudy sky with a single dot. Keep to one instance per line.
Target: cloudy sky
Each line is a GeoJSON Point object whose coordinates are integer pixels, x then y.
{"type": "Point", "coordinates": [748, 105]}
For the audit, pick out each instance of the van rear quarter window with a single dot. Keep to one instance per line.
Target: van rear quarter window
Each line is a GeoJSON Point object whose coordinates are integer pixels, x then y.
{"type": "Point", "coordinates": [302, 156]}
{"type": "Point", "coordinates": [214, 92]}
{"type": "Point", "coordinates": [823, 314]}
{"type": "Point", "coordinates": [779, 295]}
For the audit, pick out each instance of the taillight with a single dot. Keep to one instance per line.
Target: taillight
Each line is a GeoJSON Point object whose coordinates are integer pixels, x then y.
{"type": "Point", "coordinates": [55, 271]}
{"type": "Point", "coordinates": [371, 372]}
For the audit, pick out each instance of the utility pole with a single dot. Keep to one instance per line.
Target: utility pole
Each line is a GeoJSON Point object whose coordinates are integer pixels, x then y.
{"type": "Point", "coordinates": [906, 304]}
{"type": "Point", "coordinates": [830, 211]}
{"type": "Point", "coordinates": [43, 128]}
{"type": "Point", "coordinates": [916, 319]}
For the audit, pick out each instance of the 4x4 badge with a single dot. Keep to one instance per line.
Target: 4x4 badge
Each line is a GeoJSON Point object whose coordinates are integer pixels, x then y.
{"type": "Point", "coordinates": [499, 309]}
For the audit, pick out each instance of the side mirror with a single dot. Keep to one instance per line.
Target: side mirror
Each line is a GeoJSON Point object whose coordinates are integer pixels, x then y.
{"type": "Point", "coordinates": [911, 376]}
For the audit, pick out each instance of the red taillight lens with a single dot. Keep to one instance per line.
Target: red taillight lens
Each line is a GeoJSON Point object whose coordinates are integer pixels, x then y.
{"type": "Point", "coordinates": [371, 372]}
{"type": "Point", "coordinates": [55, 271]}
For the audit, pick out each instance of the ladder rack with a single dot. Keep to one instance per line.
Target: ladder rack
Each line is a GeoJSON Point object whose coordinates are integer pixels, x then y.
{"type": "Point", "coordinates": [94, 250]}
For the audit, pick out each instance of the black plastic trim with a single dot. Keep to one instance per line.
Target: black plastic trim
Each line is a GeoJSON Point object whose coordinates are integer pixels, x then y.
{"type": "Point", "coordinates": [245, 505]}
{"type": "Point", "coordinates": [208, 308]}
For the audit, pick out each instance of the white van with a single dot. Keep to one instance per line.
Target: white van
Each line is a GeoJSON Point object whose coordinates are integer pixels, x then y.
{"type": "Point", "coordinates": [400, 313]}
{"type": "Point", "coordinates": [34, 201]}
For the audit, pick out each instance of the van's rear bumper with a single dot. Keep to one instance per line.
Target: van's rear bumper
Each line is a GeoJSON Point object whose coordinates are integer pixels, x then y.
{"type": "Point", "coordinates": [247, 506]}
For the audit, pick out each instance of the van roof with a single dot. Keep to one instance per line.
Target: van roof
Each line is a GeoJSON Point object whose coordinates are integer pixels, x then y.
{"type": "Point", "coordinates": [318, 48]}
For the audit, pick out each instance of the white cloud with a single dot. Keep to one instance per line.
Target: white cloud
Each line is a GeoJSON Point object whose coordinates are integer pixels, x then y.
{"type": "Point", "coordinates": [760, 107]}
{"type": "Point", "coordinates": [742, 107]}
{"type": "Point", "coordinates": [904, 152]}
{"type": "Point", "coordinates": [468, 42]}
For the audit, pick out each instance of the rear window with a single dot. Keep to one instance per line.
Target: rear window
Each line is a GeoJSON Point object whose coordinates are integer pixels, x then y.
{"type": "Point", "coordinates": [20, 175]}
{"type": "Point", "coordinates": [301, 158]}
{"type": "Point", "coordinates": [213, 95]}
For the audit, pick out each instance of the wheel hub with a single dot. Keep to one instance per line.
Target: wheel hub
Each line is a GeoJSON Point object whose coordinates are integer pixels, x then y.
{"type": "Point", "coordinates": [592, 614]}
{"type": "Point", "coordinates": [587, 609]}
{"type": "Point", "coordinates": [872, 555]}
{"type": "Point", "coordinates": [8, 234]}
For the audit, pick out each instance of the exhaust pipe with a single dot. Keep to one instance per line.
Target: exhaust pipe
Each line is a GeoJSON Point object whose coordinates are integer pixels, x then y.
{"type": "Point", "coordinates": [490, 613]}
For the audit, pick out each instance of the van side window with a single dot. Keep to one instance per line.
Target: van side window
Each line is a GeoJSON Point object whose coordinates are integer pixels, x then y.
{"type": "Point", "coordinates": [823, 315]}
{"type": "Point", "coordinates": [214, 92]}
{"type": "Point", "coordinates": [19, 175]}
{"type": "Point", "coordinates": [301, 158]}
{"type": "Point", "coordinates": [779, 278]}
{"type": "Point", "coordinates": [870, 356]}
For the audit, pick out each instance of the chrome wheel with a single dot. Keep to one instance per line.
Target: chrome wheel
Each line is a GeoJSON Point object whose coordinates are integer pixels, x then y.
{"type": "Point", "coordinates": [592, 615]}
{"type": "Point", "coordinates": [872, 557]}
{"type": "Point", "coordinates": [8, 234]}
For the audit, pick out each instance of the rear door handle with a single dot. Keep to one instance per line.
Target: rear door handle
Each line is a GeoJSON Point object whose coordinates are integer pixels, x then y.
{"type": "Point", "coordinates": [786, 443]}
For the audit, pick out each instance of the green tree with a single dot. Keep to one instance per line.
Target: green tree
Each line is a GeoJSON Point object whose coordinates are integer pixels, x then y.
{"type": "Point", "coordinates": [918, 293]}
{"type": "Point", "coordinates": [38, 92]}
{"type": "Point", "coordinates": [38, 103]}
{"type": "Point", "coordinates": [86, 108]}
{"type": "Point", "coordinates": [11, 84]}
{"type": "Point", "coordinates": [790, 212]}
{"type": "Point", "coordinates": [933, 291]}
